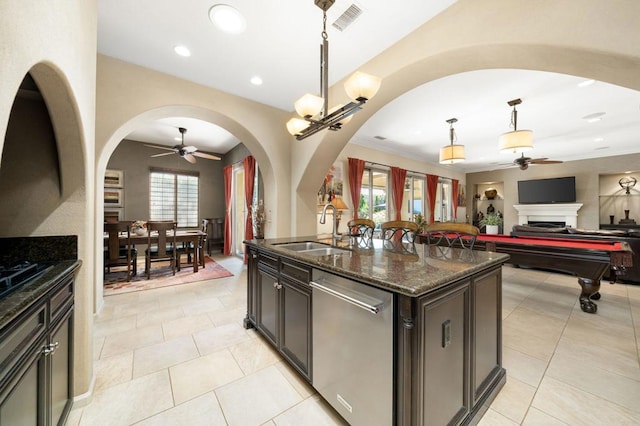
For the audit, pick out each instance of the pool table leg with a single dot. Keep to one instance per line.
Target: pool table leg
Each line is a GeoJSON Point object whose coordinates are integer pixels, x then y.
{"type": "Point", "coordinates": [589, 288]}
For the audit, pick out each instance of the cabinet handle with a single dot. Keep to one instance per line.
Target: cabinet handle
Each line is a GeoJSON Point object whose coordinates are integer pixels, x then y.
{"type": "Point", "coordinates": [50, 349]}
{"type": "Point", "coordinates": [279, 286]}
{"type": "Point", "coordinates": [275, 284]}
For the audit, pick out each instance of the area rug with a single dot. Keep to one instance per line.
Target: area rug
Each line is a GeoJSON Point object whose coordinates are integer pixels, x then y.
{"type": "Point", "coordinates": [161, 276]}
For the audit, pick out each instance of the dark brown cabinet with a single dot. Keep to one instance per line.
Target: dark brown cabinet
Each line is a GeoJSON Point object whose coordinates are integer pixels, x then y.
{"type": "Point", "coordinates": [36, 358]}
{"type": "Point", "coordinates": [279, 306]}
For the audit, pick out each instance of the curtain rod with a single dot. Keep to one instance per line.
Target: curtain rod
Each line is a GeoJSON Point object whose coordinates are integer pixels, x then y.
{"type": "Point", "coordinates": [409, 171]}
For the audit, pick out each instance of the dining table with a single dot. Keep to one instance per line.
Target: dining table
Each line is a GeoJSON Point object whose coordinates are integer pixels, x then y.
{"type": "Point", "coordinates": [191, 236]}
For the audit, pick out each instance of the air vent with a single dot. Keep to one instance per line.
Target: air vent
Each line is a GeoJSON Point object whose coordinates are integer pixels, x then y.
{"type": "Point", "coordinates": [347, 17]}
{"type": "Point", "coordinates": [382, 138]}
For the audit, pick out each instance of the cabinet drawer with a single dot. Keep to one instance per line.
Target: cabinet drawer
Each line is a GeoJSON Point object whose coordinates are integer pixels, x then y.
{"type": "Point", "coordinates": [266, 259]}
{"type": "Point", "coordinates": [61, 299]}
{"type": "Point", "coordinates": [19, 336]}
{"type": "Point", "coordinates": [296, 271]}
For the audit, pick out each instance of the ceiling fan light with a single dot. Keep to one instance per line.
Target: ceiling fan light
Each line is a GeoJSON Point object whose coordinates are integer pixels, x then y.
{"type": "Point", "coordinates": [516, 142]}
{"type": "Point", "coordinates": [451, 154]}
{"type": "Point", "coordinates": [362, 86]}
{"type": "Point", "coordinates": [309, 105]}
{"type": "Point", "coordinates": [295, 126]}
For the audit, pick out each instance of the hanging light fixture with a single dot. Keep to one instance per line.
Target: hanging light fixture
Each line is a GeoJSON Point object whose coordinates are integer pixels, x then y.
{"type": "Point", "coordinates": [451, 153]}
{"type": "Point", "coordinates": [314, 110]}
{"type": "Point", "coordinates": [516, 141]}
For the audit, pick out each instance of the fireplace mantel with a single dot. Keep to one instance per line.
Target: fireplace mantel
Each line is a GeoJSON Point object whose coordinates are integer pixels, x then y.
{"type": "Point", "coordinates": [565, 212]}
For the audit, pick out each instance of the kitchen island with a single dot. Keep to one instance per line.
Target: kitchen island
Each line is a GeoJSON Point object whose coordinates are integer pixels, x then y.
{"type": "Point", "coordinates": [429, 349]}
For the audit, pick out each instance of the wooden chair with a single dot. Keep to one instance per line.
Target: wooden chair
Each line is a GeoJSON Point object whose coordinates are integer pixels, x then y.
{"type": "Point", "coordinates": [215, 239]}
{"type": "Point", "coordinates": [118, 254]}
{"type": "Point", "coordinates": [166, 248]}
{"type": "Point", "coordinates": [451, 233]}
{"type": "Point", "coordinates": [399, 230]}
{"type": "Point", "coordinates": [361, 227]}
{"type": "Point", "coordinates": [198, 252]}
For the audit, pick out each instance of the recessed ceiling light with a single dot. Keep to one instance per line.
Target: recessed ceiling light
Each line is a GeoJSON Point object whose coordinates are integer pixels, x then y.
{"type": "Point", "coordinates": [182, 50]}
{"type": "Point", "coordinates": [227, 19]}
{"type": "Point", "coordinates": [256, 80]}
{"type": "Point", "coordinates": [586, 83]}
{"type": "Point", "coordinates": [598, 139]}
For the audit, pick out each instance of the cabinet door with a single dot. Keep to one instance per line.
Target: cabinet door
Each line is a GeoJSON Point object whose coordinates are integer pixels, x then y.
{"type": "Point", "coordinates": [295, 331]}
{"type": "Point", "coordinates": [267, 292]}
{"type": "Point", "coordinates": [445, 349]}
{"type": "Point", "coordinates": [61, 366]}
{"type": "Point", "coordinates": [22, 401]}
{"type": "Point", "coordinates": [252, 272]}
{"type": "Point", "coordinates": [486, 356]}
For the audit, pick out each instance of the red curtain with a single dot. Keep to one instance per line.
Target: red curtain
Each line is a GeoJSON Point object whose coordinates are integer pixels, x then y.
{"type": "Point", "coordinates": [356, 168]}
{"type": "Point", "coordinates": [249, 164]}
{"type": "Point", "coordinates": [228, 172]}
{"type": "Point", "coordinates": [432, 187]}
{"type": "Point", "coordinates": [454, 197]}
{"type": "Point", "coordinates": [398, 177]}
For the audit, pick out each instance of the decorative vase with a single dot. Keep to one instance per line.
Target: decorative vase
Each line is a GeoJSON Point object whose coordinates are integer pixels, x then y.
{"type": "Point", "coordinates": [491, 193]}
{"type": "Point", "coordinates": [492, 229]}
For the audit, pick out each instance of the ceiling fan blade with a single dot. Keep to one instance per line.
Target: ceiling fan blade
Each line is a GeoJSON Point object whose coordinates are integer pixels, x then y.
{"type": "Point", "coordinates": [160, 147]}
{"type": "Point", "coordinates": [190, 158]}
{"type": "Point", "coordinates": [544, 161]}
{"type": "Point", "coordinates": [190, 149]}
{"type": "Point", "coordinates": [162, 154]}
{"type": "Point", "coordinates": [204, 155]}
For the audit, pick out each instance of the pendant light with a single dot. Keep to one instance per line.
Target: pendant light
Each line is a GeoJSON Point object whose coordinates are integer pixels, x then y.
{"type": "Point", "coordinates": [452, 153]}
{"type": "Point", "coordinates": [516, 141]}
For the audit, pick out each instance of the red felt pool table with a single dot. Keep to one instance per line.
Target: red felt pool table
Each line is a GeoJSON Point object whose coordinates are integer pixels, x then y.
{"type": "Point", "coordinates": [586, 259]}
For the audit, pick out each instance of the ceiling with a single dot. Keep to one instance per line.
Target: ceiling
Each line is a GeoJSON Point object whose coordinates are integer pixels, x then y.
{"type": "Point", "coordinates": [280, 45]}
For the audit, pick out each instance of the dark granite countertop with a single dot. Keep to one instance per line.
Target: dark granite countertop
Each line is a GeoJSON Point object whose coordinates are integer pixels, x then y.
{"type": "Point", "coordinates": [408, 269]}
{"type": "Point", "coordinates": [15, 303]}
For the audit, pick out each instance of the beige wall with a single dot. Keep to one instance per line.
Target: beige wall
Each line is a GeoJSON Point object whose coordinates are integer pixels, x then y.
{"type": "Point", "coordinates": [56, 42]}
{"type": "Point", "coordinates": [587, 173]}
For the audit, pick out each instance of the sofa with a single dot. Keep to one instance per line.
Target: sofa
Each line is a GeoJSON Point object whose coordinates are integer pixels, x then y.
{"type": "Point", "coordinates": [630, 236]}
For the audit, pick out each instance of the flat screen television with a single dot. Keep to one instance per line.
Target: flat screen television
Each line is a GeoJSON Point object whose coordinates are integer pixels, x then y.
{"type": "Point", "coordinates": [547, 191]}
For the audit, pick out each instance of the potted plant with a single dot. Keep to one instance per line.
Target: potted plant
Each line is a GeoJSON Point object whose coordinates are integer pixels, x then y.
{"type": "Point", "coordinates": [419, 220]}
{"type": "Point", "coordinates": [491, 222]}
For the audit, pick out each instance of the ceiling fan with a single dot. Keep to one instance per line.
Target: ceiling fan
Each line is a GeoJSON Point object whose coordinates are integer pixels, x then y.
{"type": "Point", "coordinates": [523, 162]}
{"type": "Point", "coordinates": [189, 153]}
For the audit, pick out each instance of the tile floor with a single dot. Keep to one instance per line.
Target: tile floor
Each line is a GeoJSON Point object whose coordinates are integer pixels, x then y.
{"type": "Point", "coordinates": [179, 356]}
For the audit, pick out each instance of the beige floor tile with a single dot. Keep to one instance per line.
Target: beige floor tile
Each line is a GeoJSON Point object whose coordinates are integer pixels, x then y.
{"type": "Point", "coordinates": [185, 326]}
{"type": "Point", "coordinates": [554, 301]}
{"type": "Point", "coordinates": [535, 323]}
{"type": "Point", "coordinates": [201, 411]}
{"type": "Point", "coordinates": [574, 370]}
{"type": "Point", "coordinates": [130, 340]}
{"type": "Point", "coordinates": [202, 375]}
{"type": "Point", "coordinates": [523, 367]}
{"type": "Point", "coordinates": [253, 355]}
{"type": "Point", "coordinates": [98, 343]}
{"type": "Point", "coordinates": [493, 418]}
{"type": "Point", "coordinates": [137, 307]}
{"type": "Point", "coordinates": [541, 347]}
{"type": "Point", "coordinates": [163, 355]}
{"type": "Point", "coordinates": [589, 328]}
{"type": "Point", "coordinates": [293, 377]}
{"type": "Point", "coordinates": [234, 301]}
{"type": "Point", "coordinates": [575, 407]}
{"type": "Point", "coordinates": [513, 400]}
{"type": "Point", "coordinates": [145, 319]}
{"type": "Point", "coordinates": [74, 417]}
{"type": "Point", "coordinates": [214, 339]}
{"type": "Point", "coordinates": [203, 306]}
{"type": "Point", "coordinates": [269, 423]}
{"type": "Point", "coordinates": [226, 316]}
{"type": "Point", "coordinates": [129, 402]}
{"type": "Point", "coordinates": [267, 392]}
{"type": "Point", "coordinates": [114, 326]}
{"type": "Point", "coordinates": [113, 370]}
{"type": "Point", "coordinates": [536, 417]}
{"type": "Point", "coordinates": [312, 411]}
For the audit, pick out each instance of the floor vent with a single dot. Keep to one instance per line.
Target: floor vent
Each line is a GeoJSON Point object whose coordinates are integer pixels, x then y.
{"type": "Point", "coordinates": [347, 17]}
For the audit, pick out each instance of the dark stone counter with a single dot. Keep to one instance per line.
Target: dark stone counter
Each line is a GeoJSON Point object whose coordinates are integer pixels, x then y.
{"type": "Point", "coordinates": [408, 269]}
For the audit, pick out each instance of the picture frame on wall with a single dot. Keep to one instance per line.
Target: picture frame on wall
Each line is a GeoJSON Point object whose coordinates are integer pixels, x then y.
{"type": "Point", "coordinates": [113, 179]}
{"type": "Point", "coordinates": [113, 198]}
{"type": "Point", "coordinates": [113, 215]}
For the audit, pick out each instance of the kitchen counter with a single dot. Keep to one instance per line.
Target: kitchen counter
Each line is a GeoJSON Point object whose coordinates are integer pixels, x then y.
{"type": "Point", "coordinates": [407, 269]}
{"type": "Point", "coordinates": [16, 302]}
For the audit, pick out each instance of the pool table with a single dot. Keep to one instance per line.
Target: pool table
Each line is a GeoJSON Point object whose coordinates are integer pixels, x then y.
{"type": "Point", "coordinates": [586, 259]}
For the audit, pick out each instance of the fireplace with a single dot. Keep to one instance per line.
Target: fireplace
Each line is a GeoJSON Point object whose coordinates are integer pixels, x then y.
{"type": "Point", "coordinates": [548, 213]}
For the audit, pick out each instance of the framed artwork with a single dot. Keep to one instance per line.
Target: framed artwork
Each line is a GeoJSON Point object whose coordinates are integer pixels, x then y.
{"type": "Point", "coordinates": [113, 179]}
{"type": "Point", "coordinates": [113, 198]}
{"type": "Point", "coordinates": [113, 215]}
{"type": "Point", "coordinates": [332, 184]}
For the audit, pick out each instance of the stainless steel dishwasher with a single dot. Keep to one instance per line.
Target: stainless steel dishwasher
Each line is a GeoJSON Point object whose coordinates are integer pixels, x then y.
{"type": "Point", "coordinates": [353, 348]}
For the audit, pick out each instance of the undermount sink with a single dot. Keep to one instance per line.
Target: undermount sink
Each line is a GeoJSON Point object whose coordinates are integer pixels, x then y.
{"type": "Point", "coordinates": [324, 251]}
{"type": "Point", "coordinates": [307, 245]}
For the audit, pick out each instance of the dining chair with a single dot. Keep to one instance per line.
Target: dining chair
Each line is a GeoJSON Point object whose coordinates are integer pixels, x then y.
{"type": "Point", "coordinates": [399, 230]}
{"type": "Point", "coordinates": [197, 253]}
{"type": "Point", "coordinates": [451, 233]}
{"type": "Point", "coordinates": [165, 249]}
{"type": "Point", "coordinates": [117, 253]}
{"type": "Point", "coordinates": [361, 227]}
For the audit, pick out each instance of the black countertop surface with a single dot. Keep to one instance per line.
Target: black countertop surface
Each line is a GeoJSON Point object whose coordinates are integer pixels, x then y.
{"type": "Point", "coordinates": [404, 268]}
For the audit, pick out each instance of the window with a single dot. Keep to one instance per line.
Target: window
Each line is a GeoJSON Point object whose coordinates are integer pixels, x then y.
{"type": "Point", "coordinates": [174, 196]}
{"type": "Point", "coordinates": [414, 187]}
{"type": "Point", "coordinates": [444, 203]}
{"type": "Point", "coordinates": [373, 195]}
